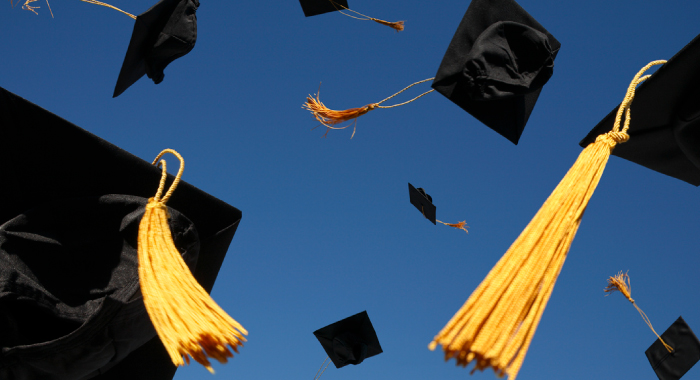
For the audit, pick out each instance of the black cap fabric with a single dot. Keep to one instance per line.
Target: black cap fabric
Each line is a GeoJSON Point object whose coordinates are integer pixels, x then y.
{"type": "Point", "coordinates": [423, 202]}
{"type": "Point", "coordinates": [70, 305]}
{"type": "Point", "coordinates": [686, 351]}
{"type": "Point", "coordinates": [317, 7]}
{"type": "Point", "coordinates": [496, 65]}
{"type": "Point", "coordinates": [349, 341]}
{"type": "Point", "coordinates": [665, 126]}
{"type": "Point", "coordinates": [47, 160]}
{"type": "Point", "coordinates": [161, 35]}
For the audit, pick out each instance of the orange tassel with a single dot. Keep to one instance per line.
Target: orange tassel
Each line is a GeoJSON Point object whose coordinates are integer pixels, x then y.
{"type": "Point", "coordinates": [460, 225]}
{"type": "Point", "coordinates": [329, 117]}
{"type": "Point", "coordinates": [397, 25]}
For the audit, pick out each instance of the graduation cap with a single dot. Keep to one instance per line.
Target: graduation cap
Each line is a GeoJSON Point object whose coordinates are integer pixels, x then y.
{"type": "Point", "coordinates": [162, 34]}
{"type": "Point", "coordinates": [665, 136]}
{"type": "Point", "coordinates": [317, 7]}
{"type": "Point", "coordinates": [51, 166]}
{"type": "Point", "coordinates": [424, 203]}
{"type": "Point", "coordinates": [350, 340]}
{"type": "Point", "coordinates": [495, 67]}
{"type": "Point", "coordinates": [686, 351]}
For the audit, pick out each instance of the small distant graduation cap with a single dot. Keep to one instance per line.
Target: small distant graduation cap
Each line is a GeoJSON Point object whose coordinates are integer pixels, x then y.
{"type": "Point", "coordinates": [496, 65]}
{"type": "Point", "coordinates": [423, 202]}
{"type": "Point", "coordinates": [494, 68]}
{"type": "Point", "coordinates": [665, 128]}
{"type": "Point", "coordinates": [70, 304]}
{"type": "Point", "coordinates": [349, 341]}
{"type": "Point", "coordinates": [317, 7]}
{"type": "Point", "coordinates": [686, 351]}
{"type": "Point", "coordinates": [162, 34]}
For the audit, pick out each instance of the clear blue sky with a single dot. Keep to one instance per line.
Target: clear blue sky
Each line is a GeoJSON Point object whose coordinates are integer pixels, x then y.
{"type": "Point", "coordinates": [327, 228]}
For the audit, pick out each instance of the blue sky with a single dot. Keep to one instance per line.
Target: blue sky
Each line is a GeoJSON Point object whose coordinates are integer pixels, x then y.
{"type": "Point", "coordinates": [327, 228]}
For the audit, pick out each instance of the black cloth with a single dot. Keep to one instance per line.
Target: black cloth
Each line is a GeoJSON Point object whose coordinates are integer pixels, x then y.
{"type": "Point", "coordinates": [665, 126]}
{"type": "Point", "coordinates": [317, 7]}
{"type": "Point", "coordinates": [47, 159]}
{"type": "Point", "coordinates": [162, 34]}
{"type": "Point", "coordinates": [70, 302]}
{"type": "Point", "coordinates": [686, 351]}
{"type": "Point", "coordinates": [496, 65]}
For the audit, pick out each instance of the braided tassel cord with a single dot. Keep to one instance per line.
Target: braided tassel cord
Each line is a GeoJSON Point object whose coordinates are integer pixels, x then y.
{"type": "Point", "coordinates": [187, 320]}
{"type": "Point", "coordinates": [495, 327]}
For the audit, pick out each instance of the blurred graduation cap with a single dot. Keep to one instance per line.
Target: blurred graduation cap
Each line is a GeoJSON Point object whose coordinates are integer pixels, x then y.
{"type": "Point", "coordinates": [495, 67]}
{"type": "Point", "coordinates": [686, 351]}
{"type": "Point", "coordinates": [424, 203]}
{"type": "Point", "coordinates": [350, 340]}
{"type": "Point", "coordinates": [665, 135]}
{"type": "Point", "coordinates": [317, 7]}
{"type": "Point", "coordinates": [68, 192]}
{"type": "Point", "coordinates": [162, 34]}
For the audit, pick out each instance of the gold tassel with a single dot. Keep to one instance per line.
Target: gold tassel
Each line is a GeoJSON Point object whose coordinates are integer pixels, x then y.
{"type": "Point", "coordinates": [396, 25]}
{"type": "Point", "coordinates": [329, 118]}
{"type": "Point", "coordinates": [495, 326]}
{"type": "Point", "coordinates": [621, 283]}
{"type": "Point", "coordinates": [187, 320]}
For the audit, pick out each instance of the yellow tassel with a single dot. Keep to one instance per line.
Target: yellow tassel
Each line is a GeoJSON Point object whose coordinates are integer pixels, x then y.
{"type": "Point", "coordinates": [187, 320]}
{"type": "Point", "coordinates": [495, 326]}
{"type": "Point", "coordinates": [621, 283]}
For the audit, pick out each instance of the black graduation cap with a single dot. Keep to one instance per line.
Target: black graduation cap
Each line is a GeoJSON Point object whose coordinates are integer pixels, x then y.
{"type": "Point", "coordinates": [423, 202]}
{"type": "Point", "coordinates": [162, 34]}
{"type": "Point", "coordinates": [317, 7]}
{"type": "Point", "coordinates": [349, 341]}
{"type": "Point", "coordinates": [50, 166]}
{"type": "Point", "coordinates": [496, 65]}
{"type": "Point", "coordinates": [665, 128]}
{"type": "Point", "coordinates": [686, 351]}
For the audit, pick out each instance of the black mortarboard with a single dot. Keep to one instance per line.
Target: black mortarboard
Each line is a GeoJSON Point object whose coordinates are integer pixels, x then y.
{"type": "Point", "coordinates": [51, 164]}
{"type": "Point", "coordinates": [496, 65]}
{"type": "Point", "coordinates": [686, 351]}
{"type": "Point", "coordinates": [665, 128]}
{"type": "Point", "coordinates": [162, 34]}
{"type": "Point", "coordinates": [423, 202]}
{"type": "Point", "coordinates": [317, 7]}
{"type": "Point", "coordinates": [349, 341]}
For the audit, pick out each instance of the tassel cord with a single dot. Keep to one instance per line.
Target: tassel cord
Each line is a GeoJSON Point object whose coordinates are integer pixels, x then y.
{"type": "Point", "coordinates": [108, 6]}
{"type": "Point", "coordinates": [321, 370]}
{"type": "Point", "coordinates": [397, 25]}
